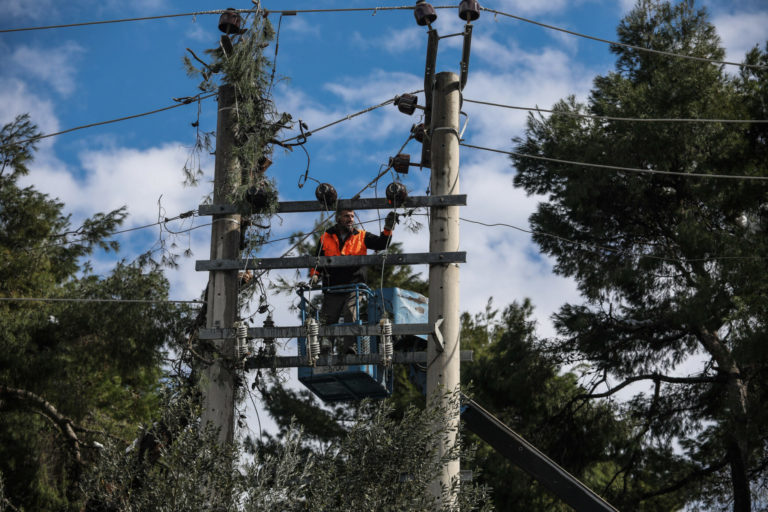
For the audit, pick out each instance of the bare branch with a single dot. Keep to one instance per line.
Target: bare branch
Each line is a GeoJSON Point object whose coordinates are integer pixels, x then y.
{"type": "Point", "coordinates": [695, 475]}
{"type": "Point", "coordinates": [65, 425]}
{"type": "Point", "coordinates": [655, 377]}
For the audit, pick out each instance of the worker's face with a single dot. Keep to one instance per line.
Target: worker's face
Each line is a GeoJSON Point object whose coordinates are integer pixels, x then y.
{"type": "Point", "coordinates": [346, 220]}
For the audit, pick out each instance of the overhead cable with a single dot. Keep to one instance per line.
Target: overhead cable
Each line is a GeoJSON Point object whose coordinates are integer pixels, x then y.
{"type": "Point", "coordinates": [186, 101]}
{"type": "Point", "coordinates": [75, 299]}
{"type": "Point", "coordinates": [613, 118]}
{"type": "Point", "coordinates": [625, 45]}
{"type": "Point", "coordinates": [345, 118]}
{"type": "Point", "coordinates": [184, 215]}
{"type": "Point", "coordinates": [123, 20]}
{"type": "Point", "coordinates": [619, 168]}
{"type": "Point", "coordinates": [610, 249]}
{"type": "Point", "coordinates": [374, 10]}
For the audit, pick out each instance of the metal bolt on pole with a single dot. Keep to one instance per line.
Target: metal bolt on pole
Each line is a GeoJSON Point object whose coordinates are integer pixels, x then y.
{"type": "Point", "coordinates": [443, 361]}
{"type": "Point", "coordinates": [218, 381]}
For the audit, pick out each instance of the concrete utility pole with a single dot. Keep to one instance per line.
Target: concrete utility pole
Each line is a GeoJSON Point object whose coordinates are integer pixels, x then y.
{"type": "Point", "coordinates": [218, 382]}
{"type": "Point", "coordinates": [443, 361]}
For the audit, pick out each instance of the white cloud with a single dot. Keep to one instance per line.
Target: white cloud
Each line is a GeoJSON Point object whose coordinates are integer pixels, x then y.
{"type": "Point", "coordinates": [741, 32]}
{"type": "Point", "coordinates": [16, 99]}
{"type": "Point", "coordinates": [298, 26]}
{"type": "Point", "coordinates": [356, 94]}
{"type": "Point", "coordinates": [55, 66]}
{"type": "Point", "coordinates": [535, 6]}
{"type": "Point", "coordinates": [200, 32]}
{"type": "Point", "coordinates": [21, 9]}
{"type": "Point", "coordinates": [137, 179]}
{"type": "Point", "coordinates": [395, 41]}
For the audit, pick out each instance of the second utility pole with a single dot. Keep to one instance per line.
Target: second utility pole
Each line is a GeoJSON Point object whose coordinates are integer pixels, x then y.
{"type": "Point", "coordinates": [218, 384]}
{"type": "Point", "coordinates": [443, 361]}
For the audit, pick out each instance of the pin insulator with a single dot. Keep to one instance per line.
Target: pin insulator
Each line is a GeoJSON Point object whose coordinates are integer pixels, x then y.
{"type": "Point", "coordinates": [396, 193]}
{"type": "Point", "coordinates": [469, 10]}
{"type": "Point", "coordinates": [230, 21]}
{"type": "Point", "coordinates": [326, 194]}
{"type": "Point", "coordinates": [406, 103]}
{"type": "Point", "coordinates": [424, 13]}
{"type": "Point", "coordinates": [400, 163]}
{"type": "Point", "coordinates": [419, 131]}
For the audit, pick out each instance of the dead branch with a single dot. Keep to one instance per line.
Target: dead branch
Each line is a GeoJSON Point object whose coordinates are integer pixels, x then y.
{"type": "Point", "coordinates": [40, 405]}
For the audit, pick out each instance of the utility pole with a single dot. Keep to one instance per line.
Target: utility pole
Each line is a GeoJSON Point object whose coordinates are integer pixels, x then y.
{"type": "Point", "coordinates": [218, 382]}
{"type": "Point", "coordinates": [443, 358]}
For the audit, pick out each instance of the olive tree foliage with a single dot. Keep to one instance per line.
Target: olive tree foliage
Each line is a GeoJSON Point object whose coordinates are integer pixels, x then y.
{"type": "Point", "coordinates": [671, 266]}
{"type": "Point", "coordinates": [381, 463]}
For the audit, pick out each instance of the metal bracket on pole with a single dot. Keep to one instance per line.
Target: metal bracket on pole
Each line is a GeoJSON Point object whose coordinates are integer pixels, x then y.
{"type": "Point", "coordinates": [342, 360]}
{"type": "Point", "coordinates": [465, 55]}
{"type": "Point", "coordinates": [324, 331]}
{"type": "Point", "coordinates": [439, 336]}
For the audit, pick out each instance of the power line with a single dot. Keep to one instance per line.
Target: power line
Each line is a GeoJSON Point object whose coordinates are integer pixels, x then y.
{"type": "Point", "coordinates": [625, 45]}
{"type": "Point", "coordinates": [184, 215]}
{"type": "Point", "coordinates": [613, 118]}
{"type": "Point", "coordinates": [75, 299]}
{"type": "Point", "coordinates": [186, 101]}
{"type": "Point", "coordinates": [374, 10]}
{"type": "Point", "coordinates": [619, 168]}
{"type": "Point", "coordinates": [346, 118]}
{"type": "Point", "coordinates": [610, 249]}
{"type": "Point", "coordinates": [123, 20]}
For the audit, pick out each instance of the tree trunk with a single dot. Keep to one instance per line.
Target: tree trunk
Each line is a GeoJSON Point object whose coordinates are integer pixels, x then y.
{"type": "Point", "coordinates": [742, 501]}
{"type": "Point", "coordinates": [737, 445]}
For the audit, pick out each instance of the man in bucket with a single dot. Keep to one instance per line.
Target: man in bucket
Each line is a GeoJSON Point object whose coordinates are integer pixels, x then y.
{"type": "Point", "coordinates": [343, 239]}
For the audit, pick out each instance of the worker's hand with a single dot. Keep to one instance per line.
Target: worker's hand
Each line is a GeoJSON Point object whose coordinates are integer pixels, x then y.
{"type": "Point", "coordinates": [391, 220]}
{"type": "Point", "coordinates": [314, 280]}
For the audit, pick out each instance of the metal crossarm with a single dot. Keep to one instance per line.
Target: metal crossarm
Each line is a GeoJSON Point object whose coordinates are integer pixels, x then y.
{"type": "Point", "coordinates": [333, 261]}
{"type": "Point", "coordinates": [368, 203]}
{"type": "Point", "coordinates": [341, 361]}
{"type": "Point", "coordinates": [325, 330]}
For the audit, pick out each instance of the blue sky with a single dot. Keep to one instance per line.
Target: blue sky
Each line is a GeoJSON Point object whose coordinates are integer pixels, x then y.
{"type": "Point", "coordinates": [330, 65]}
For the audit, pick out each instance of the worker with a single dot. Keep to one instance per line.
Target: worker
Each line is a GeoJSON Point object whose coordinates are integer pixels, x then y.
{"type": "Point", "coordinates": [343, 239]}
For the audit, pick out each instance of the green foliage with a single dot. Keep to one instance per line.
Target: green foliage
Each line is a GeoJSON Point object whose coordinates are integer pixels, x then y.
{"type": "Point", "coordinates": [239, 62]}
{"type": "Point", "coordinates": [15, 152]}
{"type": "Point", "coordinates": [524, 386]}
{"type": "Point", "coordinates": [667, 263]}
{"type": "Point", "coordinates": [378, 464]}
{"type": "Point", "coordinates": [90, 366]}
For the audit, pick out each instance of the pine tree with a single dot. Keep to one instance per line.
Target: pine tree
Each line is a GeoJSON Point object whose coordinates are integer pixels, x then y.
{"type": "Point", "coordinates": [671, 266]}
{"type": "Point", "coordinates": [72, 374]}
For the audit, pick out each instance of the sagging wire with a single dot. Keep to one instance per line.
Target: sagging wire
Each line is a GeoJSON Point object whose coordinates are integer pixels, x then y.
{"type": "Point", "coordinates": [386, 169]}
{"type": "Point", "coordinates": [317, 255]}
{"type": "Point", "coordinates": [168, 257]}
{"type": "Point", "coordinates": [183, 101]}
{"type": "Point", "coordinates": [614, 118]}
{"type": "Point", "coordinates": [274, 59]}
{"type": "Point", "coordinates": [347, 118]}
{"type": "Point", "coordinates": [618, 168]}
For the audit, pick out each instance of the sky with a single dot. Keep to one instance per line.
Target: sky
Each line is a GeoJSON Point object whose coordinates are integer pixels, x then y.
{"type": "Point", "coordinates": [329, 65]}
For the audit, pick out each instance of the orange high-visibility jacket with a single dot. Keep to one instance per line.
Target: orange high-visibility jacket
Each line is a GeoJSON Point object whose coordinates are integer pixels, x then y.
{"type": "Point", "coordinates": [356, 244]}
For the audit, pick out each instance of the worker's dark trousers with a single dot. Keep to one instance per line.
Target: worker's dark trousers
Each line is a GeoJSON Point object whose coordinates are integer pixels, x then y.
{"type": "Point", "coordinates": [336, 305]}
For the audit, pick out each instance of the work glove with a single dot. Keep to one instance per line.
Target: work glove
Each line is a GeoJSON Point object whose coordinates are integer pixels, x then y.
{"type": "Point", "coordinates": [314, 279]}
{"type": "Point", "coordinates": [391, 220]}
